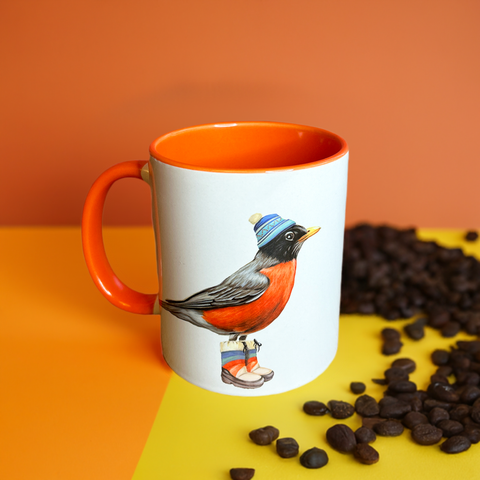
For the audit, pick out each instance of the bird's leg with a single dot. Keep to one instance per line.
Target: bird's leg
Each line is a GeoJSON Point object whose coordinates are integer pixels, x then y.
{"type": "Point", "coordinates": [242, 338]}
{"type": "Point", "coordinates": [253, 347]}
{"type": "Point", "coordinates": [233, 337]}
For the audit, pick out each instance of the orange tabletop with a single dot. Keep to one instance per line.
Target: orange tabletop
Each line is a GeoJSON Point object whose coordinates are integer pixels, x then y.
{"type": "Point", "coordinates": [86, 394]}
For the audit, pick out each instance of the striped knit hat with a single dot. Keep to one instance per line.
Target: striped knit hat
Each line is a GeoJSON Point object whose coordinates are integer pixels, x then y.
{"type": "Point", "coordinates": [268, 227]}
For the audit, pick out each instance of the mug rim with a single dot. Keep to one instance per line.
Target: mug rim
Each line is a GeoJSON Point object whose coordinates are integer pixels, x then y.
{"type": "Point", "coordinates": [342, 151]}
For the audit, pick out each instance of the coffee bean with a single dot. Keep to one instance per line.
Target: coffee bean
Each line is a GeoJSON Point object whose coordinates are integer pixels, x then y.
{"type": "Point", "coordinates": [411, 419]}
{"type": "Point", "coordinates": [456, 444]}
{"type": "Point", "coordinates": [415, 330]}
{"type": "Point", "coordinates": [472, 433]}
{"type": "Point", "coordinates": [430, 403]}
{"type": "Point", "coordinates": [379, 381]}
{"type": "Point", "coordinates": [369, 422]}
{"type": "Point", "coordinates": [471, 236]}
{"type": "Point", "coordinates": [459, 412]}
{"type": "Point", "coordinates": [475, 413]}
{"type": "Point", "coordinates": [445, 371]}
{"type": "Point", "coordinates": [287, 447]}
{"type": "Point", "coordinates": [450, 329]}
{"type": "Point", "coordinates": [389, 428]}
{"type": "Point", "coordinates": [341, 438]}
{"type": "Point", "coordinates": [450, 427]}
{"type": "Point", "coordinates": [315, 408]}
{"type": "Point", "coordinates": [394, 374]}
{"type": "Point", "coordinates": [242, 473]}
{"type": "Point", "coordinates": [406, 364]}
{"type": "Point", "coordinates": [442, 392]}
{"type": "Point", "coordinates": [365, 435]}
{"type": "Point", "coordinates": [469, 394]}
{"type": "Point", "coordinates": [391, 347]}
{"type": "Point", "coordinates": [426, 434]}
{"type": "Point", "coordinates": [437, 415]}
{"type": "Point", "coordinates": [314, 458]}
{"type": "Point", "coordinates": [366, 406]}
{"type": "Point", "coordinates": [366, 454]}
{"type": "Point", "coordinates": [440, 357]}
{"type": "Point", "coordinates": [340, 410]}
{"type": "Point", "coordinates": [390, 334]}
{"type": "Point", "coordinates": [357, 387]}
{"type": "Point", "coordinates": [402, 386]}
{"type": "Point", "coordinates": [395, 410]}
{"type": "Point", "coordinates": [264, 436]}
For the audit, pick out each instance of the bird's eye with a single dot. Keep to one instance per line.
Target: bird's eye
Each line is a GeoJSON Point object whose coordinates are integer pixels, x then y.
{"type": "Point", "coordinates": [289, 236]}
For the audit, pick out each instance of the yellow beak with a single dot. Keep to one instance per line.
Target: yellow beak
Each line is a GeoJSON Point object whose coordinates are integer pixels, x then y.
{"type": "Point", "coordinates": [310, 233]}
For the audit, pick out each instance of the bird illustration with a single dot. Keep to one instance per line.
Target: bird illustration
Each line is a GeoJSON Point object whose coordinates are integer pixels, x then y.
{"type": "Point", "coordinates": [251, 298]}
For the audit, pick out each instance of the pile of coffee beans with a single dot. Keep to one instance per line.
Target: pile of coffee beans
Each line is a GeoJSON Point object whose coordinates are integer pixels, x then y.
{"type": "Point", "coordinates": [391, 273]}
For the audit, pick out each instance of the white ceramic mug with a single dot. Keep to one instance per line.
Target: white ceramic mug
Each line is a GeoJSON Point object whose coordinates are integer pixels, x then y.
{"type": "Point", "coordinates": [249, 224]}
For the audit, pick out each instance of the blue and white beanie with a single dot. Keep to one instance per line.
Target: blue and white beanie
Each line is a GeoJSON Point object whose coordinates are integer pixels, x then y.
{"type": "Point", "coordinates": [268, 227]}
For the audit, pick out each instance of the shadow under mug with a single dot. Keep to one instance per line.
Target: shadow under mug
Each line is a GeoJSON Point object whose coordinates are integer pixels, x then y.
{"type": "Point", "coordinates": [249, 223]}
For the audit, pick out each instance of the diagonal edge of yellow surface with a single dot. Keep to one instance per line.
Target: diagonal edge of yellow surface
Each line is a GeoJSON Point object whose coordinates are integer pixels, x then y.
{"type": "Point", "coordinates": [199, 434]}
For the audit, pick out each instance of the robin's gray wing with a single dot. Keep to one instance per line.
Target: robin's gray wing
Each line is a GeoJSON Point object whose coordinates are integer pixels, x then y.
{"type": "Point", "coordinates": [244, 286]}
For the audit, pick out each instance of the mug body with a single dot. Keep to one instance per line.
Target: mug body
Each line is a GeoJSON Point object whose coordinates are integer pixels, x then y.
{"type": "Point", "coordinates": [249, 224]}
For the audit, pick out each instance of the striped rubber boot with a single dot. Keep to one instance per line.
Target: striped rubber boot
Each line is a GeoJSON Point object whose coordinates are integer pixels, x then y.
{"type": "Point", "coordinates": [253, 347]}
{"type": "Point", "coordinates": [234, 369]}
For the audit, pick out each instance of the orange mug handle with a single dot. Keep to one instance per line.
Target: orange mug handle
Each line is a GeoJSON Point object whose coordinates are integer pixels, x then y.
{"type": "Point", "coordinates": [94, 250]}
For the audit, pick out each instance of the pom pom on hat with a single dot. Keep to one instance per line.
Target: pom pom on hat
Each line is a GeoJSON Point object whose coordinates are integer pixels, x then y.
{"type": "Point", "coordinates": [268, 227]}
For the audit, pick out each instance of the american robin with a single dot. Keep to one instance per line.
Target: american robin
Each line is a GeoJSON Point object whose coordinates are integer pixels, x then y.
{"type": "Point", "coordinates": [254, 296]}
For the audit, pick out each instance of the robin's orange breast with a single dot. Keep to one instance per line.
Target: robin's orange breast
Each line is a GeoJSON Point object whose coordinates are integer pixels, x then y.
{"type": "Point", "coordinates": [257, 315]}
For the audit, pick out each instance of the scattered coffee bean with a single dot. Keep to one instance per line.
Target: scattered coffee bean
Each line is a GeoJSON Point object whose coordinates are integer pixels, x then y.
{"type": "Point", "coordinates": [391, 347]}
{"type": "Point", "coordinates": [459, 412]}
{"type": "Point", "coordinates": [389, 428]}
{"type": "Point", "coordinates": [365, 435]}
{"type": "Point", "coordinates": [395, 410]}
{"type": "Point", "coordinates": [411, 419]}
{"type": "Point", "coordinates": [402, 386]}
{"type": "Point", "coordinates": [450, 329]}
{"type": "Point", "coordinates": [445, 371]}
{"type": "Point", "coordinates": [440, 357]}
{"type": "Point", "coordinates": [430, 403]}
{"type": "Point", "coordinates": [437, 415]}
{"type": "Point", "coordinates": [406, 364]}
{"type": "Point", "coordinates": [415, 330]}
{"type": "Point", "coordinates": [366, 454]}
{"type": "Point", "coordinates": [380, 381]}
{"type": "Point", "coordinates": [472, 433]}
{"type": "Point", "coordinates": [340, 410]}
{"type": "Point", "coordinates": [287, 447]}
{"type": "Point", "coordinates": [357, 387]}
{"type": "Point", "coordinates": [456, 444]}
{"type": "Point", "coordinates": [426, 434]}
{"type": "Point", "coordinates": [366, 406]}
{"type": "Point", "coordinates": [315, 408]}
{"type": "Point", "coordinates": [442, 392]}
{"type": "Point", "coordinates": [242, 473]}
{"type": "Point", "coordinates": [450, 427]}
{"type": "Point", "coordinates": [369, 422]}
{"type": "Point", "coordinates": [390, 334]}
{"type": "Point", "coordinates": [341, 438]}
{"type": "Point", "coordinates": [394, 374]}
{"type": "Point", "coordinates": [314, 458]}
{"type": "Point", "coordinates": [264, 436]}
{"type": "Point", "coordinates": [471, 236]}
{"type": "Point", "coordinates": [475, 413]}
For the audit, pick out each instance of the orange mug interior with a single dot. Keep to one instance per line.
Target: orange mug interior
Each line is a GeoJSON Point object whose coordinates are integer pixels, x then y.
{"type": "Point", "coordinates": [248, 146]}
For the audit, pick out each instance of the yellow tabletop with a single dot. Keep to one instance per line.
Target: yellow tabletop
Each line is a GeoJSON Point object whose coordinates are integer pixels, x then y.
{"type": "Point", "coordinates": [85, 393]}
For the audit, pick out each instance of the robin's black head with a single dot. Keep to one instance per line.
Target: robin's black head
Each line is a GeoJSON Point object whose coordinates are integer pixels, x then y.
{"type": "Point", "coordinates": [286, 245]}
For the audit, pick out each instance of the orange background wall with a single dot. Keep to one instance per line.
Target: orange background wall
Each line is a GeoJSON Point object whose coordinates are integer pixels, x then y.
{"type": "Point", "coordinates": [86, 84]}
